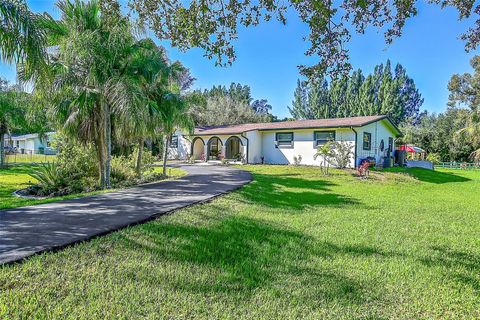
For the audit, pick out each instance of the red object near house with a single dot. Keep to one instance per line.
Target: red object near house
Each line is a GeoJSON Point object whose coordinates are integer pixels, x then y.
{"type": "Point", "coordinates": [410, 148]}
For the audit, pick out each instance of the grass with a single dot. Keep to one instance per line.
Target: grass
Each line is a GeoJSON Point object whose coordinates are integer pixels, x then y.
{"type": "Point", "coordinates": [17, 177]}
{"type": "Point", "coordinates": [292, 244]}
{"type": "Point", "coordinates": [29, 158]}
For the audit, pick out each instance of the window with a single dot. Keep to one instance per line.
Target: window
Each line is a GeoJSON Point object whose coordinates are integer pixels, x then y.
{"type": "Point", "coordinates": [284, 138]}
{"type": "Point", "coordinates": [18, 144]}
{"type": "Point", "coordinates": [174, 142]}
{"type": "Point", "coordinates": [367, 141]}
{"type": "Point", "coordinates": [390, 144]}
{"type": "Point", "coordinates": [322, 137]}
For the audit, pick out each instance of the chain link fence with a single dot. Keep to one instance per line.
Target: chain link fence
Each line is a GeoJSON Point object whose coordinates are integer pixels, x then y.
{"type": "Point", "coordinates": [30, 156]}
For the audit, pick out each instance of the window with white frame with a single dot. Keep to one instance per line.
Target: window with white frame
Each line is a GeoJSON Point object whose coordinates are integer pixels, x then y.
{"type": "Point", "coordinates": [284, 139]}
{"type": "Point", "coordinates": [322, 137]}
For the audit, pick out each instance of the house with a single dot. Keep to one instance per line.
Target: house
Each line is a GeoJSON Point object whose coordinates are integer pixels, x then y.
{"type": "Point", "coordinates": [280, 142]}
{"type": "Point", "coordinates": [30, 143]}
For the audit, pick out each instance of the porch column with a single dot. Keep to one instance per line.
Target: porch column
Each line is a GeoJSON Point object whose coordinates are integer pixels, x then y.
{"type": "Point", "coordinates": [223, 150]}
{"type": "Point", "coordinates": [205, 151]}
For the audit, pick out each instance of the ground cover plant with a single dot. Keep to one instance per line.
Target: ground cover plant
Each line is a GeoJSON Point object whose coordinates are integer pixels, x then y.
{"type": "Point", "coordinates": [292, 244]}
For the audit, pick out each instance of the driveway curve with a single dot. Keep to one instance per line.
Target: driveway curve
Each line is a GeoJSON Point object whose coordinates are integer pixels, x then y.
{"type": "Point", "coordinates": [28, 230]}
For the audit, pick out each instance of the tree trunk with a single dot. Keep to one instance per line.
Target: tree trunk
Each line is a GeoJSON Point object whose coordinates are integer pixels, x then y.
{"type": "Point", "coordinates": [2, 149]}
{"type": "Point", "coordinates": [165, 153]}
{"type": "Point", "coordinates": [108, 142]}
{"type": "Point", "coordinates": [139, 158]}
{"type": "Point", "coordinates": [101, 160]}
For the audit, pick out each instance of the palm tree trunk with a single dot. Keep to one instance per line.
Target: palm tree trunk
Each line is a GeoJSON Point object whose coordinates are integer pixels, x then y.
{"type": "Point", "coordinates": [108, 142]}
{"type": "Point", "coordinates": [101, 161]}
{"type": "Point", "coordinates": [165, 153]}
{"type": "Point", "coordinates": [139, 158]}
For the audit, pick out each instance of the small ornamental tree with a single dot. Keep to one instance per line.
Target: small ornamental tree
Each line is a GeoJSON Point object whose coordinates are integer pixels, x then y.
{"type": "Point", "coordinates": [325, 152]}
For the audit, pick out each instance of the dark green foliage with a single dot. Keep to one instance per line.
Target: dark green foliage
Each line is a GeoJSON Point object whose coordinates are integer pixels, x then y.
{"type": "Point", "coordinates": [438, 133]}
{"type": "Point", "coordinates": [383, 92]}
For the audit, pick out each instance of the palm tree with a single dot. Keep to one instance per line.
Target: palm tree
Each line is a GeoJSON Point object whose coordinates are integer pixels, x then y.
{"type": "Point", "coordinates": [85, 69]}
{"type": "Point", "coordinates": [325, 152]}
{"type": "Point", "coordinates": [173, 114]}
{"type": "Point", "coordinates": [472, 132]}
{"type": "Point", "coordinates": [22, 37]}
{"type": "Point", "coordinates": [157, 106]}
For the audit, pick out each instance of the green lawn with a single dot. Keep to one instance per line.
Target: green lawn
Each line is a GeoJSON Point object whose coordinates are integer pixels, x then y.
{"type": "Point", "coordinates": [17, 177]}
{"type": "Point", "coordinates": [29, 158]}
{"type": "Point", "coordinates": [292, 244]}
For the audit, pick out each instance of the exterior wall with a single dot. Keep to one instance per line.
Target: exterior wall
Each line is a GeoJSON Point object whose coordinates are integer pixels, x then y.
{"type": "Point", "coordinates": [254, 146]}
{"type": "Point", "coordinates": [263, 144]}
{"type": "Point", "coordinates": [303, 145]}
{"type": "Point", "coordinates": [30, 143]}
{"type": "Point", "coordinates": [185, 142]}
{"type": "Point", "coordinates": [183, 150]}
{"type": "Point", "coordinates": [379, 130]}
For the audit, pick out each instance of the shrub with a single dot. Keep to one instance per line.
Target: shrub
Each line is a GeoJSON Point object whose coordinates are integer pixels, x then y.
{"type": "Point", "coordinates": [50, 178]}
{"type": "Point", "coordinates": [434, 158]}
{"type": "Point", "coordinates": [297, 160]}
{"type": "Point", "coordinates": [341, 155]}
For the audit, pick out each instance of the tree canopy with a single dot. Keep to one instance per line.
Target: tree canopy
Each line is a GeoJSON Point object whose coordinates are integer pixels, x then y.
{"type": "Point", "coordinates": [234, 104]}
{"type": "Point", "coordinates": [386, 91]}
{"type": "Point", "coordinates": [213, 25]}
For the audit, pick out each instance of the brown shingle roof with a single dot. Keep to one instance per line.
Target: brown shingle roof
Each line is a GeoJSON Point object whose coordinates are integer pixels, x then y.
{"type": "Point", "coordinates": [299, 124]}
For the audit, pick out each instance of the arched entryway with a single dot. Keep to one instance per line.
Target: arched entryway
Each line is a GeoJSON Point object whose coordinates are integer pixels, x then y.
{"type": "Point", "coordinates": [214, 148]}
{"type": "Point", "coordinates": [198, 149]}
{"type": "Point", "coordinates": [233, 148]}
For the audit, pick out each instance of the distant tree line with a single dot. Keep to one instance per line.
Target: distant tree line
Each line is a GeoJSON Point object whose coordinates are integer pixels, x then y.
{"type": "Point", "coordinates": [386, 91]}
{"type": "Point", "coordinates": [223, 105]}
{"type": "Point", "coordinates": [454, 134]}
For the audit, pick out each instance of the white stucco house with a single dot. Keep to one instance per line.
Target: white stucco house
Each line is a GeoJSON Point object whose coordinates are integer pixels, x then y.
{"type": "Point", "coordinates": [31, 143]}
{"type": "Point", "coordinates": [280, 142]}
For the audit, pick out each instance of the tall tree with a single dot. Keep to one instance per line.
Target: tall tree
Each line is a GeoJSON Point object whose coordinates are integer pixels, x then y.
{"type": "Point", "coordinates": [465, 90]}
{"type": "Point", "coordinates": [92, 41]}
{"type": "Point", "coordinates": [229, 105]}
{"type": "Point", "coordinates": [213, 25]}
{"type": "Point", "coordinates": [379, 93]}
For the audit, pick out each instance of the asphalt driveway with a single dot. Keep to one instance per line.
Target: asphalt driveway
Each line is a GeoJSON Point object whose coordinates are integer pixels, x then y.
{"type": "Point", "coordinates": [29, 230]}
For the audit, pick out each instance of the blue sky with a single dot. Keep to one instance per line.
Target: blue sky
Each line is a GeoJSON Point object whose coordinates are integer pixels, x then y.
{"type": "Point", "coordinates": [268, 56]}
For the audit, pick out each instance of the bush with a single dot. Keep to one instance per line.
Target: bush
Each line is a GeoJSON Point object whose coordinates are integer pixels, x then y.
{"type": "Point", "coordinates": [342, 153]}
{"type": "Point", "coordinates": [434, 158]}
{"type": "Point", "coordinates": [297, 160]}
{"type": "Point", "coordinates": [76, 170]}
{"type": "Point", "coordinates": [50, 179]}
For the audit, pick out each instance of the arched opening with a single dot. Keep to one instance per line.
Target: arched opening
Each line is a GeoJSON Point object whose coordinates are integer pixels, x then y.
{"type": "Point", "coordinates": [233, 148]}
{"type": "Point", "coordinates": [214, 148]}
{"type": "Point", "coordinates": [198, 149]}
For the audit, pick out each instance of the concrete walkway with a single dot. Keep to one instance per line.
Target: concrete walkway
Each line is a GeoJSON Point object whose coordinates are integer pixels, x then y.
{"type": "Point", "coordinates": [29, 230]}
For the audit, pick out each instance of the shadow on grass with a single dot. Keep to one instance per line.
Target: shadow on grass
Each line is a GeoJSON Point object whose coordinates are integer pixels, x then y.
{"type": "Point", "coordinates": [430, 176]}
{"type": "Point", "coordinates": [17, 169]}
{"type": "Point", "coordinates": [285, 191]}
{"type": "Point", "coordinates": [239, 254]}
{"type": "Point", "coordinates": [463, 267]}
